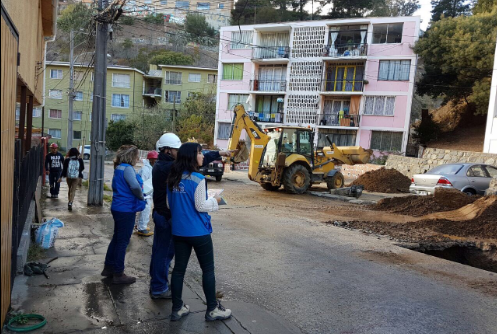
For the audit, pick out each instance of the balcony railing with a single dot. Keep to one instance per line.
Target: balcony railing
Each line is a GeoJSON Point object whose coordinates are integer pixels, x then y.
{"type": "Point", "coordinates": [270, 52]}
{"type": "Point", "coordinates": [346, 50]}
{"type": "Point", "coordinates": [266, 116]}
{"type": "Point", "coordinates": [268, 85]}
{"type": "Point", "coordinates": [152, 91]}
{"type": "Point", "coordinates": [343, 85]}
{"type": "Point", "coordinates": [338, 120]}
{"type": "Point", "coordinates": [173, 81]}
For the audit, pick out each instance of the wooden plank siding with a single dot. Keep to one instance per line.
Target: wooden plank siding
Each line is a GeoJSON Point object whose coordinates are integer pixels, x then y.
{"type": "Point", "coordinates": [9, 49]}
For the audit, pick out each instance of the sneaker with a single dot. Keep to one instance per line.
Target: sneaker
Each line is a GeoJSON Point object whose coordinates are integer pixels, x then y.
{"type": "Point", "coordinates": [108, 271]}
{"type": "Point", "coordinates": [219, 313]}
{"type": "Point", "coordinates": [55, 196]}
{"type": "Point", "coordinates": [183, 311]}
{"type": "Point", "coordinates": [164, 295]}
{"type": "Point", "coordinates": [51, 196]}
{"type": "Point", "coordinates": [69, 206]}
{"type": "Point", "coordinates": [123, 279]}
{"type": "Point", "coordinates": [145, 233]}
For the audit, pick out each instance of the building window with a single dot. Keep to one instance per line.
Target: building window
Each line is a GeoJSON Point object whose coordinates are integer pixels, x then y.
{"type": "Point", "coordinates": [173, 78]}
{"type": "Point", "coordinates": [268, 108]}
{"type": "Point", "coordinates": [77, 115]}
{"type": "Point", "coordinates": [55, 74]}
{"type": "Point", "coordinates": [394, 70]}
{"type": "Point", "coordinates": [220, 5]}
{"type": "Point", "coordinates": [54, 113]}
{"type": "Point", "coordinates": [223, 130]}
{"type": "Point", "coordinates": [172, 96]}
{"type": "Point", "coordinates": [234, 99]}
{"type": "Point", "coordinates": [182, 4]}
{"type": "Point", "coordinates": [76, 135]}
{"type": "Point", "coordinates": [339, 137]}
{"type": "Point", "coordinates": [232, 71]}
{"type": "Point", "coordinates": [120, 100]}
{"type": "Point", "coordinates": [203, 6]}
{"type": "Point", "coordinates": [163, 2]}
{"type": "Point", "coordinates": [55, 133]}
{"type": "Point", "coordinates": [121, 80]}
{"type": "Point", "coordinates": [386, 141]}
{"type": "Point", "coordinates": [36, 112]}
{"type": "Point", "coordinates": [55, 94]}
{"type": "Point", "coordinates": [241, 40]}
{"type": "Point", "coordinates": [379, 105]}
{"type": "Point", "coordinates": [194, 77]}
{"type": "Point", "coordinates": [387, 33]}
{"type": "Point", "coordinates": [78, 96]}
{"type": "Point", "coordinates": [117, 117]}
{"type": "Point", "coordinates": [212, 78]}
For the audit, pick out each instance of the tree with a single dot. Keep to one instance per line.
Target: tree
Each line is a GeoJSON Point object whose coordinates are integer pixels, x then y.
{"type": "Point", "coordinates": [267, 11]}
{"type": "Point", "coordinates": [197, 118]}
{"type": "Point", "coordinates": [148, 126]}
{"type": "Point", "coordinates": [127, 20]}
{"type": "Point", "coordinates": [154, 19]}
{"type": "Point", "coordinates": [394, 7]}
{"type": "Point", "coordinates": [169, 58]}
{"type": "Point", "coordinates": [197, 27]}
{"type": "Point", "coordinates": [484, 6]}
{"type": "Point", "coordinates": [458, 59]}
{"type": "Point", "coordinates": [449, 8]}
{"type": "Point", "coordinates": [75, 17]}
{"type": "Point", "coordinates": [119, 133]}
{"type": "Point", "coordinates": [127, 44]}
{"type": "Point", "coordinates": [349, 8]}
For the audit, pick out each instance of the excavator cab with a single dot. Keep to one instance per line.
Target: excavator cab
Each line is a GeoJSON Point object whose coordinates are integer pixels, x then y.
{"type": "Point", "coordinates": [289, 140]}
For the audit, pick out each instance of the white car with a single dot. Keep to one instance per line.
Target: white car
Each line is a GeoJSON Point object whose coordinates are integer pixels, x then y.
{"type": "Point", "coordinates": [87, 152]}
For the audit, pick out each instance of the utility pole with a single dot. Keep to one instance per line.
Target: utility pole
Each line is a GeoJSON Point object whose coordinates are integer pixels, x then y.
{"type": "Point", "coordinates": [71, 90]}
{"type": "Point", "coordinates": [98, 125]}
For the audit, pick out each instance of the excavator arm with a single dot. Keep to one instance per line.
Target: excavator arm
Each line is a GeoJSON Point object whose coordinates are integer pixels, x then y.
{"type": "Point", "coordinates": [259, 140]}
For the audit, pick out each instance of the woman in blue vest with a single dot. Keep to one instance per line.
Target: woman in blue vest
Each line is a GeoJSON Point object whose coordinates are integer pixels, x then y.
{"type": "Point", "coordinates": [191, 228]}
{"type": "Point", "coordinates": [127, 200]}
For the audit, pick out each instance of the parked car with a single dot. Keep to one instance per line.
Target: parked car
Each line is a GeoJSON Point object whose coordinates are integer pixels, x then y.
{"type": "Point", "coordinates": [471, 179]}
{"type": "Point", "coordinates": [85, 153]}
{"type": "Point", "coordinates": [215, 169]}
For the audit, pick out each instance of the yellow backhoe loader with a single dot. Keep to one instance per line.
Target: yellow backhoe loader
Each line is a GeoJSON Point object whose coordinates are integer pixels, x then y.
{"type": "Point", "coordinates": [286, 155]}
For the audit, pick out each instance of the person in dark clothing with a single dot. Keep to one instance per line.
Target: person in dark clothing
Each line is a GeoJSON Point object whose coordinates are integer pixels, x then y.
{"type": "Point", "coordinates": [73, 172]}
{"type": "Point", "coordinates": [163, 248]}
{"type": "Point", "coordinates": [53, 166]}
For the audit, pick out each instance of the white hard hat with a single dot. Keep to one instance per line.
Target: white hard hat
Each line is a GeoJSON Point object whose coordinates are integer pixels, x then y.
{"type": "Point", "coordinates": [168, 140]}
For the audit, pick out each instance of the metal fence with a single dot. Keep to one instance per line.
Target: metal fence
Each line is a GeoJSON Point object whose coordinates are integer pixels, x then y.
{"type": "Point", "coordinates": [27, 171]}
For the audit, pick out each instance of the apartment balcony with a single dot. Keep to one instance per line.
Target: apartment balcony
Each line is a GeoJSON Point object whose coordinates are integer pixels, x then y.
{"type": "Point", "coordinates": [266, 116]}
{"type": "Point", "coordinates": [342, 87]}
{"type": "Point", "coordinates": [337, 120]}
{"type": "Point", "coordinates": [271, 54]}
{"type": "Point", "coordinates": [267, 86]}
{"type": "Point", "coordinates": [152, 91]}
{"type": "Point", "coordinates": [345, 51]}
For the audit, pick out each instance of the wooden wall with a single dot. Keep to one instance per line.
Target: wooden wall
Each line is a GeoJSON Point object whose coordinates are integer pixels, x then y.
{"type": "Point", "coordinates": [9, 49]}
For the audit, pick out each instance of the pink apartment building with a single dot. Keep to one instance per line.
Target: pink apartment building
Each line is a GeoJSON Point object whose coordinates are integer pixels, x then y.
{"type": "Point", "coordinates": [350, 79]}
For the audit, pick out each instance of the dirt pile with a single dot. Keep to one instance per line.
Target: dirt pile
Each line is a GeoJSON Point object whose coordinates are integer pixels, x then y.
{"type": "Point", "coordinates": [384, 181]}
{"type": "Point", "coordinates": [443, 200]}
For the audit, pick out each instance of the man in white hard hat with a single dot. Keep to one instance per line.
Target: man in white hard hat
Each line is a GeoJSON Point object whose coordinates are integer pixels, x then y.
{"type": "Point", "coordinates": [162, 248]}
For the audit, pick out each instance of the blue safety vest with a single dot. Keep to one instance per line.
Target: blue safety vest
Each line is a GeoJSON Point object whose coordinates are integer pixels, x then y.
{"type": "Point", "coordinates": [123, 199]}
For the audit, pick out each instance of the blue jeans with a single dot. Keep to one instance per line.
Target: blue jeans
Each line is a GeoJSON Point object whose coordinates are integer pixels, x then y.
{"type": "Point", "coordinates": [53, 177]}
{"type": "Point", "coordinates": [124, 223]}
{"type": "Point", "coordinates": [162, 254]}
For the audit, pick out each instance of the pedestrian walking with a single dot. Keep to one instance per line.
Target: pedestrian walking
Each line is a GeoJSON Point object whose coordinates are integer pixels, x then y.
{"type": "Point", "coordinates": [191, 229]}
{"type": "Point", "coordinates": [73, 172]}
{"type": "Point", "coordinates": [163, 247]}
{"type": "Point", "coordinates": [53, 166]}
{"type": "Point", "coordinates": [127, 200]}
{"type": "Point", "coordinates": [146, 174]}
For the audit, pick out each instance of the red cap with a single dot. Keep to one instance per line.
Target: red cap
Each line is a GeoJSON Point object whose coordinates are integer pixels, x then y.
{"type": "Point", "coordinates": [54, 145]}
{"type": "Point", "coordinates": [152, 155]}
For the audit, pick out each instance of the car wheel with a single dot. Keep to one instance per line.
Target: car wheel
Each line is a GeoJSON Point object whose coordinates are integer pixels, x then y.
{"type": "Point", "coordinates": [219, 178]}
{"type": "Point", "coordinates": [86, 156]}
{"type": "Point", "coordinates": [469, 192]}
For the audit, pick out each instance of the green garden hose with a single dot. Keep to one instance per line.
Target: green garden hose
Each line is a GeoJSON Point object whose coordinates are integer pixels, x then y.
{"type": "Point", "coordinates": [23, 318]}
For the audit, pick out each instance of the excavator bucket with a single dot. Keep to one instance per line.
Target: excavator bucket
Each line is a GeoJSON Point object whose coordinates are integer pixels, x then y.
{"type": "Point", "coordinates": [243, 153]}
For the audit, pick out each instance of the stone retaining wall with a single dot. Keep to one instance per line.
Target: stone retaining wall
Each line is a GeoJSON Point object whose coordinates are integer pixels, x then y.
{"type": "Point", "coordinates": [433, 157]}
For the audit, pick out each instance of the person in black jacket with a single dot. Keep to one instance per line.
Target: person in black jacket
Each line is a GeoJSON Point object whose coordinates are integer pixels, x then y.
{"type": "Point", "coordinates": [162, 248]}
{"type": "Point", "coordinates": [73, 172]}
{"type": "Point", "coordinates": [53, 166]}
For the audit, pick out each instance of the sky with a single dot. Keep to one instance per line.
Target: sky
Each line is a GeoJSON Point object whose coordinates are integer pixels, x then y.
{"type": "Point", "coordinates": [424, 12]}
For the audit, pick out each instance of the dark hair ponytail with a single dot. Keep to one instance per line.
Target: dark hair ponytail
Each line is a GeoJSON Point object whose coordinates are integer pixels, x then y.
{"type": "Point", "coordinates": [186, 161]}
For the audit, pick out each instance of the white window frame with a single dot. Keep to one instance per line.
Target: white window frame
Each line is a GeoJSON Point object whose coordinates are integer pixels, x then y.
{"type": "Point", "coordinates": [195, 76]}
{"type": "Point", "coordinates": [170, 81]}
{"type": "Point", "coordinates": [56, 77]}
{"type": "Point", "coordinates": [393, 67]}
{"type": "Point", "coordinates": [241, 40]}
{"type": "Point", "coordinates": [384, 110]}
{"type": "Point", "coordinates": [76, 96]}
{"type": "Point", "coordinates": [182, 7]}
{"type": "Point", "coordinates": [212, 75]}
{"type": "Point", "coordinates": [60, 135]}
{"type": "Point", "coordinates": [50, 95]}
{"type": "Point", "coordinates": [121, 84]}
{"type": "Point", "coordinates": [220, 5]}
{"type": "Point", "coordinates": [120, 98]}
{"type": "Point", "coordinates": [78, 112]}
{"type": "Point", "coordinates": [203, 6]}
{"type": "Point", "coordinates": [177, 94]}
{"type": "Point", "coordinates": [226, 132]}
{"type": "Point", "coordinates": [383, 133]}
{"type": "Point", "coordinates": [386, 36]}
{"type": "Point", "coordinates": [118, 117]}
{"type": "Point", "coordinates": [242, 98]}
{"type": "Point", "coordinates": [37, 112]}
{"type": "Point", "coordinates": [49, 114]}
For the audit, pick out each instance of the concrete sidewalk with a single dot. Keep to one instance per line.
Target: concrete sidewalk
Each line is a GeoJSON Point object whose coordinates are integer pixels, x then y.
{"type": "Point", "coordinates": [76, 298]}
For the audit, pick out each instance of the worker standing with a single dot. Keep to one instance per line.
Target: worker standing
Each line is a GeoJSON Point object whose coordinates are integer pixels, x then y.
{"type": "Point", "coordinates": [53, 165]}
{"type": "Point", "coordinates": [163, 248]}
{"type": "Point", "coordinates": [146, 173]}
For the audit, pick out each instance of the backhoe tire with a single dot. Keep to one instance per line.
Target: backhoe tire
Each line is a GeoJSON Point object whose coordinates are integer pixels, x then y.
{"type": "Point", "coordinates": [336, 181]}
{"type": "Point", "coordinates": [269, 187]}
{"type": "Point", "coordinates": [296, 179]}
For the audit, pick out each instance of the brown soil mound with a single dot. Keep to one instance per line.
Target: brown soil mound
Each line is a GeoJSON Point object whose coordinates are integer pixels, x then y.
{"type": "Point", "coordinates": [483, 209]}
{"type": "Point", "coordinates": [384, 181]}
{"type": "Point", "coordinates": [443, 200]}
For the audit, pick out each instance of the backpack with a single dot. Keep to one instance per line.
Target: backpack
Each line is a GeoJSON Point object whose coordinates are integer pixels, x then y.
{"type": "Point", "coordinates": [73, 169]}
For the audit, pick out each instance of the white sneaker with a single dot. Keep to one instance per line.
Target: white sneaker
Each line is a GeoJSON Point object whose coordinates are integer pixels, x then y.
{"type": "Point", "coordinates": [219, 313]}
{"type": "Point", "coordinates": [183, 311]}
